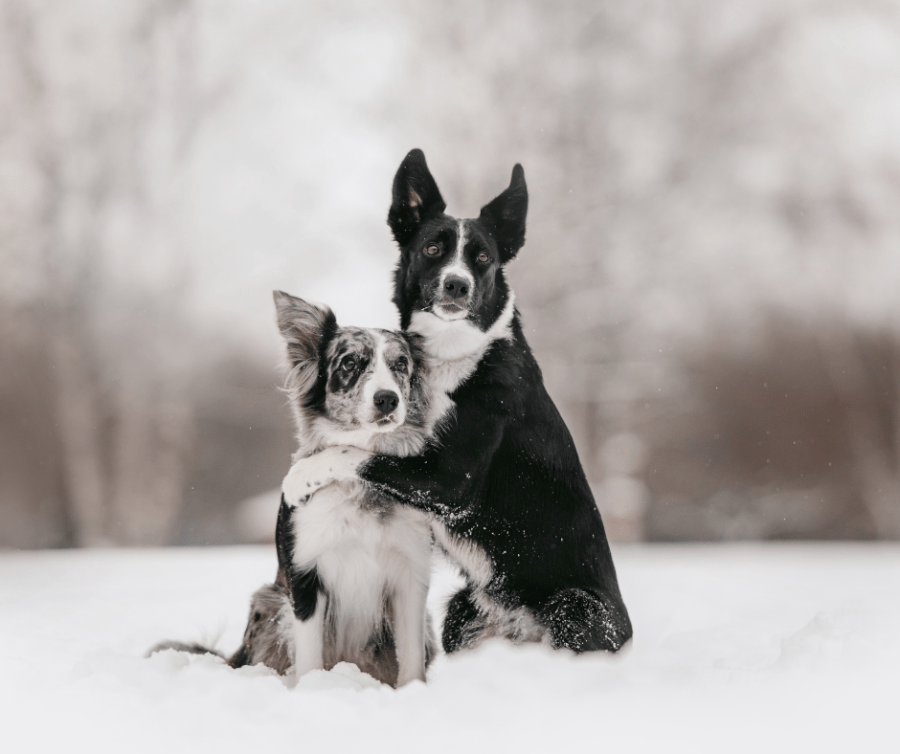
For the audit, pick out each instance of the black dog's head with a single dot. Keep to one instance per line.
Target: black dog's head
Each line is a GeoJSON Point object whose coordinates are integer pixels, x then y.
{"type": "Point", "coordinates": [451, 270]}
{"type": "Point", "coordinates": [349, 385]}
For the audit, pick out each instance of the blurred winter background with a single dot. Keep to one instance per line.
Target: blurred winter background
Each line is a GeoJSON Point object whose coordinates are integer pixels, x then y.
{"type": "Point", "coordinates": [711, 280]}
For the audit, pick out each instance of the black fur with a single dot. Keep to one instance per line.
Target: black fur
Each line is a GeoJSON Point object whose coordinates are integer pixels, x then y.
{"type": "Point", "coordinates": [463, 621]}
{"type": "Point", "coordinates": [415, 196]}
{"type": "Point", "coordinates": [304, 586]}
{"type": "Point", "coordinates": [504, 474]}
{"type": "Point", "coordinates": [504, 217]}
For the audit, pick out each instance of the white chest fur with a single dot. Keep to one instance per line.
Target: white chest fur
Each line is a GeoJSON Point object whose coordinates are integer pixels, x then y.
{"type": "Point", "coordinates": [454, 349]}
{"type": "Point", "coordinates": [360, 554]}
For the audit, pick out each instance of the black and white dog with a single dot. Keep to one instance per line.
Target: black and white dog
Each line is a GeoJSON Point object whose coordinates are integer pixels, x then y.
{"type": "Point", "coordinates": [354, 567]}
{"type": "Point", "coordinates": [503, 485]}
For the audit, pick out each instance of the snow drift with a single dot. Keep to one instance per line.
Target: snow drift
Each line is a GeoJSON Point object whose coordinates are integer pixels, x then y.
{"type": "Point", "coordinates": [737, 648]}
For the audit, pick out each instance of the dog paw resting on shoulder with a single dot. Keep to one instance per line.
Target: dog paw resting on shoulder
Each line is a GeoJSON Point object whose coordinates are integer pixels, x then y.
{"type": "Point", "coordinates": [308, 475]}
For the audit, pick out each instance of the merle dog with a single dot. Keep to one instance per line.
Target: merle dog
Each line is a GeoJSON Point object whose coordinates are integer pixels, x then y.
{"type": "Point", "coordinates": [354, 566]}
{"type": "Point", "coordinates": [507, 495]}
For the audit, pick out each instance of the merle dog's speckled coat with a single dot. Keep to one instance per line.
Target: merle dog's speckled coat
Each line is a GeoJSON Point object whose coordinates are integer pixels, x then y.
{"type": "Point", "coordinates": [503, 484]}
{"type": "Point", "coordinates": [353, 567]}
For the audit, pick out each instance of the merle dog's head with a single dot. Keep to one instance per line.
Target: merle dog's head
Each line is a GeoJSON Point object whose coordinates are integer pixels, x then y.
{"type": "Point", "coordinates": [349, 385]}
{"type": "Point", "coordinates": [451, 270]}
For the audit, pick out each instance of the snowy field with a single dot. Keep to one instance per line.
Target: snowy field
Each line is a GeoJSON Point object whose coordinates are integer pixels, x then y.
{"type": "Point", "coordinates": [737, 648]}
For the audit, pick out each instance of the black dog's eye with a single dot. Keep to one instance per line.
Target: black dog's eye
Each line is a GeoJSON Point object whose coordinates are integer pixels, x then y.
{"type": "Point", "coordinates": [401, 364]}
{"type": "Point", "coordinates": [483, 258]}
{"type": "Point", "coordinates": [432, 250]}
{"type": "Point", "coordinates": [348, 364]}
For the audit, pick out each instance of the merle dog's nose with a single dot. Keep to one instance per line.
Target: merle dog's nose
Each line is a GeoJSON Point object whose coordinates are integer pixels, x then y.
{"type": "Point", "coordinates": [456, 287]}
{"type": "Point", "coordinates": [386, 401]}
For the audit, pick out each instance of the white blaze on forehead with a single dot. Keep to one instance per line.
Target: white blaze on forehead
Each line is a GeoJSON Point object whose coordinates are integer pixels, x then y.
{"type": "Point", "coordinates": [457, 266]}
{"type": "Point", "coordinates": [460, 243]}
{"type": "Point", "coordinates": [381, 377]}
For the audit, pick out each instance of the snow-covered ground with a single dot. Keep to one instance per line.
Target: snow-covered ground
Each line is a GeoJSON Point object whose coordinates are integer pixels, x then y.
{"type": "Point", "coordinates": [737, 648]}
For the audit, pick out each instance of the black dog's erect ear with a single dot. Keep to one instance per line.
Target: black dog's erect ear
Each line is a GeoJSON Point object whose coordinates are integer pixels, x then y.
{"type": "Point", "coordinates": [505, 216]}
{"type": "Point", "coordinates": [415, 196]}
{"type": "Point", "coordinates": [303, 326]}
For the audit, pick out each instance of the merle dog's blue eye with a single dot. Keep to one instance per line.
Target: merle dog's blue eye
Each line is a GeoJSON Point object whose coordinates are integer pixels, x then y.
{"type": "Point", "coordinates": [348, 364]}
{"type": "Point", "coordinates": [401, 364]}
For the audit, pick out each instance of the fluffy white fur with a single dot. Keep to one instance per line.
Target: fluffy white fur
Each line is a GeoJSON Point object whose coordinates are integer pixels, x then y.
{"type": "Point", "coordinates": [307, 641]}
{"type": "Point", "coordinates": [471, 558]}
{"type": "Point", "coordinates": [362, 557]}
{"type": "Point", "coordinates": [455, 347]}
{"type": "Point", "coordinates": [308, 475]}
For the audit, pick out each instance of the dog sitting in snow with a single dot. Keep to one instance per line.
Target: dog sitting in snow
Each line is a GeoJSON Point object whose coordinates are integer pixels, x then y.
{"type": "Point", "coordinates": [354, 567]}
{"type": "Point", "coordinates": [503, 484]}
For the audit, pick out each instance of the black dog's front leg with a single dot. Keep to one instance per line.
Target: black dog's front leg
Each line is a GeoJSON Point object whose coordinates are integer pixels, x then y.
{"type": "Point", "coordinates": [449, 476]}
{"type": "Point", "coordinates": [303, 586]}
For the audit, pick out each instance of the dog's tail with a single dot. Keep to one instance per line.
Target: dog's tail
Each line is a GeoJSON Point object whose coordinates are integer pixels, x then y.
{"type": "Point", "coordinates": [179, 646]}
{"type": "Point", "coordinates": [268, 637]}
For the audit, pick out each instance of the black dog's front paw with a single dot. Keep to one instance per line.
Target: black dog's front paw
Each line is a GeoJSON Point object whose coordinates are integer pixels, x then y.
{"type": "Point", "coordinates": [585, 622]}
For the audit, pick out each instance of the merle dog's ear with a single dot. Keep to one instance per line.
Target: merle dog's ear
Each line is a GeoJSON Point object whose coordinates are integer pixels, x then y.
{"type": "Point", "coordinates": [304, 326]}
{"type": "Point", "coordinates": [505, 216]}
{"type": "Point", "coordinates": [415, 197]}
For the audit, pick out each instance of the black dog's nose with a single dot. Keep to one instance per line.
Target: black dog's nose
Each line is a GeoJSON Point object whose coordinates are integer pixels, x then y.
{"type": "Point", "coordinates": [386, 401]}
{"type": "Point", "coordinates": [456, 287]}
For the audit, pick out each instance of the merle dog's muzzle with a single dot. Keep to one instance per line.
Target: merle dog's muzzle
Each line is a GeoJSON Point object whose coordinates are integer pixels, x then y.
{"type": "Point", "coordinates": [386, 401]}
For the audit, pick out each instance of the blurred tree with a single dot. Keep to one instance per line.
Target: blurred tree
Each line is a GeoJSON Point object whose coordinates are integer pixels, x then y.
{"type": "Point", "coordinates": [865, 373]}
{"type": "Point", "coordinates": [697, 171]}
{"type": "Point", "coordinates": [103, 106]}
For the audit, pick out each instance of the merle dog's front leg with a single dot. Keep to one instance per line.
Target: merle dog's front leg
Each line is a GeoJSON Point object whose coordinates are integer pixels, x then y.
{"type": "Point", "coordinates": [306, 595]}
{"type": "Point", "coordinates": [303, 585]}
{"type": "Point", "coordinates": [284, 541]}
